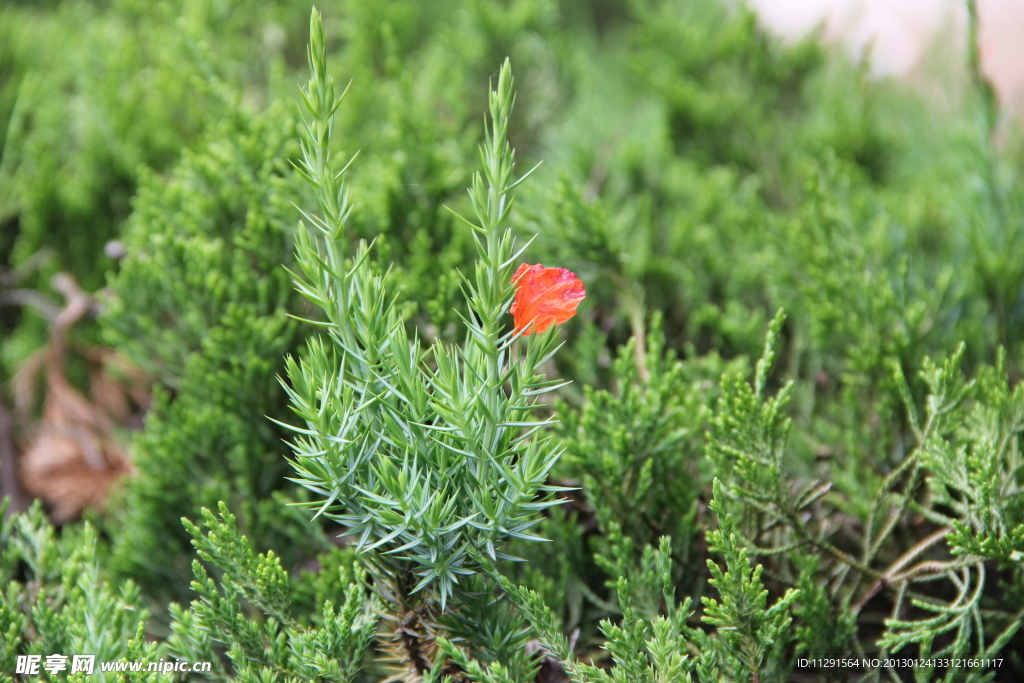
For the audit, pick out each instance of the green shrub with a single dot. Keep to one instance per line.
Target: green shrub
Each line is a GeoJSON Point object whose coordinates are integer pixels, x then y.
{"type": "Point", "coordinates": [202, 303]}
{"type": "Point", "coordinates": [848, 484]}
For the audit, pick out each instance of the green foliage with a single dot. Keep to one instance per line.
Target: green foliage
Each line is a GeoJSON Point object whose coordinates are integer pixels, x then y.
{"type": "Point", "coordinates": [968, 447]}
{"type": "Point", "coordinates": [636, 449]}
{"type": "Point", "coordinates": [427, 466]}
{"type": "Point", "coordinates": [957, 454]}
{"type": "Point", "coordinates": [163, 114]}
{"type": "Point", "coordinates": [975, 469]}
{"type": "Point", "coordinates": [636, 452]}
{"type": "Point", "coordinates": [65, 166]}
{"type": "Point", "coordinates": [227, 615]}
{"type": "Point", "coordinates": [57, 600]}
{"type": "Point", "coordinates": [714, 96]}
{"type": "Point", "coordinates": [202, 302]}
{"type": "Point", "coordinates": [94, 95]}
{"type": "Point", "coordinates": [644, 647]}
{"type": "Point", "coordinates": [750, 430]}
{"type": "Point", "coordinates": [824, 626]}
{"type": "Point", "coordinates": [755, 633]}
{"type": "Point", "coordinates": [647, 646]}
{"type": "Point", "coordinates": [698, 176]}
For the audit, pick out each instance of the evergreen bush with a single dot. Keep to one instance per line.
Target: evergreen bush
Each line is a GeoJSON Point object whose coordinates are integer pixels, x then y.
{"type": "Point", "coordinates": [790, 424]}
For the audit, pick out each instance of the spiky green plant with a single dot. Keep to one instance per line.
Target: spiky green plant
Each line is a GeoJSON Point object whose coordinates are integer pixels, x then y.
{"type": "Point", "coordinates": [426, 459]}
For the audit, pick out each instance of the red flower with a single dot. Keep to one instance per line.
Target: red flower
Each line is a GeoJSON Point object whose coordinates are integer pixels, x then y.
{"type": "Point", "coordinates": [545, 297]}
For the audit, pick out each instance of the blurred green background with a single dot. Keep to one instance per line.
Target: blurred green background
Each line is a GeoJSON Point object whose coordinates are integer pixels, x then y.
{"type": "Point", "coordinates": [698, 174]}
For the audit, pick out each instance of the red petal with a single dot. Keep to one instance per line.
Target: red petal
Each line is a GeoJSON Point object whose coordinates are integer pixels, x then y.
{"type": "Point", "coordinates": [545, 297]}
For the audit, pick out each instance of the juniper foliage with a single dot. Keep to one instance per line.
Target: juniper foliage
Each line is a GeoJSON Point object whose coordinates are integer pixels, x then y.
{"type": "Point", "coordinates": [201, 301]}
{"type": "Point", "coordinates": [247, 612]}
{"type": "Point", "coordinates": [426, 465]}
{"type": "Point", "coordinates": [57, 601]}
{"type": "Point", "coordinates": [855, 491]}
